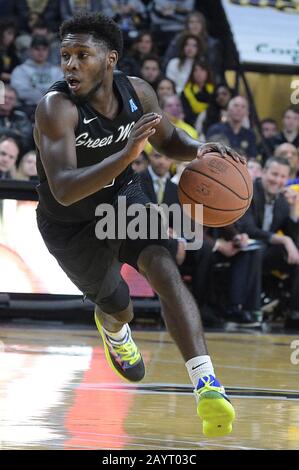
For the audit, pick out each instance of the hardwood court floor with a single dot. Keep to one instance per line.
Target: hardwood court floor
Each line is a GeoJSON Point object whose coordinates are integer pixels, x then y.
{"type": "Point", "coordinates": [57, 392]}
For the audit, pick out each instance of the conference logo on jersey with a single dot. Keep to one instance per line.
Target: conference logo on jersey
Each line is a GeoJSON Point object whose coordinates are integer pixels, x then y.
{"type": "Point", "coordinates": [284, 5]}
{"type": "Point", "coordinates": [132, 105]}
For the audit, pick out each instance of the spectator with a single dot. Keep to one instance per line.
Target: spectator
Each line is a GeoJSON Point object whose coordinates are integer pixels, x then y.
{"type": "Point", "coordinates": [26, 168]}
{"type": "Point", "coordinates": [290, 153]}
{"type": "Point", "coordinates": [242, 301]}
{"type": "Point", "coordinates": [8, 56]}
{"type": "Point", "coordinates": [35, 75]}
{"type": "Point", "coordinates": [9, 151]}
{"type": "Point", "coordinates": [196, 25]}
{"type": "Point", "coordinates": [198, 91]}
{"type": "Point", "coordinates": [179, 68]}
{"type": "Point", "coordinates": [48, 9]}
{"type": "Point", "coordinates": [141, 163]}
{"type": "Point", "coordinates": [130, 15]}
{"type": "Point", "coordinates": [217, 110]}
{"type": "Point", "coordinates": [290, 130]}
{"type": "Point", "coordinates": [165, 87]}
{"type": "Point", "coordinates": [173, 108]}
{"type": "Point", "coordinates": [168, 18]}
{"type": "Point", "coordinates": [69, 8]}
{"type": "Point", "coordinates": [39, 28]}
{"type": "Point", "coordinates": [150, 70]}
{"type": "Point", "coordinates": [269, 130]}
{"type": "Point", "coordinates": [142, 47]}
{"type": "Point", "coordinates": [15, 122]}
{"type": "Point", "coordinates": [239, 138]}
{"type": "Point", "coordinates": [272, 211]}
{"type": "Point", "coordinates": [254, 168]}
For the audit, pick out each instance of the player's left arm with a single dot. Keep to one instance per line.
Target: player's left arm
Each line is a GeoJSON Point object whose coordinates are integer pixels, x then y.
{"type": "Point", "coordinates": [168, 139]}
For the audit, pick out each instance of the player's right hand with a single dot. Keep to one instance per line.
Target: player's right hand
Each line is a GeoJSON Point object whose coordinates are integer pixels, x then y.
{"type": "Point", "coordinates": [143, 129]}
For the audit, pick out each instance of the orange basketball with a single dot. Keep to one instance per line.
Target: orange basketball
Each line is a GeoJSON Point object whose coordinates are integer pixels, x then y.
{"type": "Point", "coordinates": [222, 185]}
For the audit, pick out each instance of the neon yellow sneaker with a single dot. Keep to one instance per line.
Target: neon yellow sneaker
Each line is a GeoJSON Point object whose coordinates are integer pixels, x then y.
{"type": "Point", "coordinates": [213, 407]}
{"type": "Point", "coordinates": [124, 358]}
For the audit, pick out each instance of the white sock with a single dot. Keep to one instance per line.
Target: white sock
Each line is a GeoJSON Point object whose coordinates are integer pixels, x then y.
{"type": "Point", "coordinates": [118, 336]}
{"type": "Point", "coordinates": [198, 367]}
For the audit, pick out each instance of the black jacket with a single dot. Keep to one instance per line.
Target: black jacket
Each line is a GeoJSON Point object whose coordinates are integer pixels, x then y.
{"type": "Point", "coordinates": [252, 221]}
{"type": "Point", "coordinates": [170, 192]}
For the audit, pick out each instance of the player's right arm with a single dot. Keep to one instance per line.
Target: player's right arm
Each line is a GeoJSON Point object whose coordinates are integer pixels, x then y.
{"type": "Point", "coordinates": [56, 120]}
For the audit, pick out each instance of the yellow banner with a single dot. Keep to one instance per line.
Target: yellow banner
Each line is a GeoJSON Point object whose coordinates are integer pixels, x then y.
{"type": "Point", "coordinates": [290, 6]}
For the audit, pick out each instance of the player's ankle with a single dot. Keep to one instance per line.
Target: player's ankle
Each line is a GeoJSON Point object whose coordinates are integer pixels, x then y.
{"type": "Point", "coordinates": [199, 366]}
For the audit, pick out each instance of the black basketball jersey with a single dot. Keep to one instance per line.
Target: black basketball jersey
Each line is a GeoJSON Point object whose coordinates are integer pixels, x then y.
{"type": "Point", "coordinates": [97, 137]}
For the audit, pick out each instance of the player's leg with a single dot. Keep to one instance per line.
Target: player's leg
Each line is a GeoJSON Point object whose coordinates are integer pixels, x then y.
{"type": "Point", "coordinates": [183, 321]}
{"type": "Point", "coordinates": [112, 315]}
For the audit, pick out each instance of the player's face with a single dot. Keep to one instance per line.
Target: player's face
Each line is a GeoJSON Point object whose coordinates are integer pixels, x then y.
{"type": "Point", "coordinates": [275, 178]}
{"type": "Point", "coordinates": [85, 63]}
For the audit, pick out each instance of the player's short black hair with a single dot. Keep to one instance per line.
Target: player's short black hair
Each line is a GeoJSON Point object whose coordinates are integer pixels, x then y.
{"type": "Point", "coordinates": [101, 27]}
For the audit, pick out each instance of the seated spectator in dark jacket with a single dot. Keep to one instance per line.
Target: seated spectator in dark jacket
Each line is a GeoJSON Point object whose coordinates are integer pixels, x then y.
{"type": "Point", "coordinates": [216, 112]}
{"type": "Point", "coordinates": [9, 151]}
{"type": "Point", "coordinates": [8, 56]}
{"type": "Point", "coordinates": [197, 263]}
{"type": "Point", "coordinates": [273, 209]}
{"type": "Point", "coordinates": [13, 121]}
{"type": "Point", "coordinates": [141, 162]}
{"type": "Point", "coordinates": [290, 130]}
{"type": "Point", "coordinates": [239, 137]}
{"type": "Point", "coordinates": [242, 301]}
{"type": "Point", "coordinates": [269, 130]}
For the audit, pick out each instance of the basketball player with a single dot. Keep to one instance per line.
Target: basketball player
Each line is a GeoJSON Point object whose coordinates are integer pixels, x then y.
{"type": "Point", "coordinates": [84, 156]}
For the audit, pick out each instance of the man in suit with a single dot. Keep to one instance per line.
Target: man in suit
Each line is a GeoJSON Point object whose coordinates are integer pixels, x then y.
{"type": "Point", "coordinates": [198, 263]}
{"type": "Point", "coordinates": [156, 184]}
{"type": "Point", "coordinates": [272, 219]}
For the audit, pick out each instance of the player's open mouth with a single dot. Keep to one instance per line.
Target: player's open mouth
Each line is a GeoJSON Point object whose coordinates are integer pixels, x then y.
{"type": "Point", "coordinates": [74, 84]}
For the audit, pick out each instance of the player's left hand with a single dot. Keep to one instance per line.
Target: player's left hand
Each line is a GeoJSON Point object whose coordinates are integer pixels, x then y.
{"type": "Point", "coordinates": [224, 150]}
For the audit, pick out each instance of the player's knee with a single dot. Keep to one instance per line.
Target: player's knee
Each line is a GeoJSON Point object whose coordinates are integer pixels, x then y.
{"type": "Point", "coordinates": [116, 302]}
{"type": "Point", "coordinates": [153, 257]}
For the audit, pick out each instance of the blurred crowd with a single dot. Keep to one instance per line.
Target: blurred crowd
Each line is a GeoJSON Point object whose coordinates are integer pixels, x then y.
{"type": "Point", "coordinates": [167, 43]}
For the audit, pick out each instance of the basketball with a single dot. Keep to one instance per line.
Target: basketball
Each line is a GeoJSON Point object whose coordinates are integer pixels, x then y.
{"type": "Point", "coordinates": [222, 185]}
